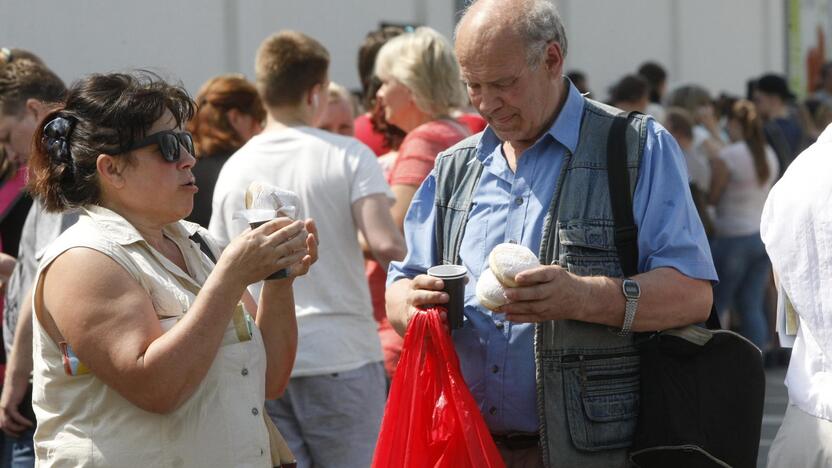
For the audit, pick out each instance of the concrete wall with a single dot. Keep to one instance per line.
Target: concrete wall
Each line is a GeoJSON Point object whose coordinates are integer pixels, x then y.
{"type": "Point", "coordinates": [716, 43]}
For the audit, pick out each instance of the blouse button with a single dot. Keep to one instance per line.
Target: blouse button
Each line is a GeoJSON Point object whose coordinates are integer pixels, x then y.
{"type": "Point", "coordinates": [255, 411]}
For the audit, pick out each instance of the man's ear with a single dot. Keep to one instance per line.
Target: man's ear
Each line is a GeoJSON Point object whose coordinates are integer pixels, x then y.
{"type": "Point", "coordinates": [554, 59]}
{"type": "Point", "coordinates": [38, 108]}
{"type": "Point", "coordinates": [110, 170]}
{"type": "Point", "coordinates": [313, 99]}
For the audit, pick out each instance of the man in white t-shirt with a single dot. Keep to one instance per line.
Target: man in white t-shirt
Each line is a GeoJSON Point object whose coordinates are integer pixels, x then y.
{"type": "Point", "coordinates": [331, 410]}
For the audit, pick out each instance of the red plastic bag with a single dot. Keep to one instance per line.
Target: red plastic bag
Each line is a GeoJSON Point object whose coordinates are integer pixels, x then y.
{"type": "Point", "coordinates": [431, 419]}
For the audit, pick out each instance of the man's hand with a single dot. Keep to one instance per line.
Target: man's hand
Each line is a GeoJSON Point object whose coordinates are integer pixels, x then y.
{"type": "Point", "coordinates": [405, 297]}
{"type": "Point", "coordinates": [11, 421]}
{"type": "Point", "coordinates": [18, 370]}
{"type": "Point", "coordinates": [669, 299]}
{"type": "Point", "coordinates": [544, 293]}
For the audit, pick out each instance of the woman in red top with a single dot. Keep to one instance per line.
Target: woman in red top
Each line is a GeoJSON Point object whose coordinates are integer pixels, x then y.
{"type": "Point", "coordinates": [420, 88]}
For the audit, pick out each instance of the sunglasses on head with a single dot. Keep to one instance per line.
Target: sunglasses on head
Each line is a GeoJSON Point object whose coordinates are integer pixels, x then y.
{"type": "Point", "coordinates": [169, 143]}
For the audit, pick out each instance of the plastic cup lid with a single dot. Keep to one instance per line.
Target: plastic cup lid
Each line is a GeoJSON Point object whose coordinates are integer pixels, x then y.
{"type": "Point", "coordinates": [448, 271]}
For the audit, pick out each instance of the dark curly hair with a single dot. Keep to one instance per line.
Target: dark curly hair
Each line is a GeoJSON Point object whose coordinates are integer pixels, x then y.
{"type": "Point", "coordinates": [103, 114]}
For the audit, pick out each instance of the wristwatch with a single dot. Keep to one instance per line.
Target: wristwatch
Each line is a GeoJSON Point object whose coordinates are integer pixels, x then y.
{"type": "Point", "coordinates": [632, 291]}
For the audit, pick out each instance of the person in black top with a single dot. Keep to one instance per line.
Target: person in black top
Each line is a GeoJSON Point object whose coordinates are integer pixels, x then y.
{"type": "Point", "coordinates": [783, 128]}
{"type": "Point", "coordinates": [229, 112]}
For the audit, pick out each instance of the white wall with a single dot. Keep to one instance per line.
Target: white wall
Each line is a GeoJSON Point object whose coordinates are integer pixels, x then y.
{"type": "Point", "coordinates": [717, 43]}
{"type": "Point", "coordinates": [196, 39]}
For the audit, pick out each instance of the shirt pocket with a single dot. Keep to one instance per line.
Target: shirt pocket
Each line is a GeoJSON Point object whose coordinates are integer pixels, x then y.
{"type": "Point", "coordinates": [602, 399]}
{"type": "Point", "coordinates": [475, 249]}
{"type": "Point", "coordinates": [587, 248]}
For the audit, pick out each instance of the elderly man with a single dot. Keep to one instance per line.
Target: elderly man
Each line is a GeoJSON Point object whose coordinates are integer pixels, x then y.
{"type": "Point", "coordinates": [554, 371]}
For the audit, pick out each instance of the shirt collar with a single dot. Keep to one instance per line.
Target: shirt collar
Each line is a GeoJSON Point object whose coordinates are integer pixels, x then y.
{"type": "Point", "coordinates": [567, 126]}
{"type": "Point", "coordinates": [120, 231]}
{"type": "Point", "coordinates": [565, 129]}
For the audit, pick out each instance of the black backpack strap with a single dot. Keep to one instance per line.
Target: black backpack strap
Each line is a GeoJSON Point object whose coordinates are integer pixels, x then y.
{"type": "Point", "coordinates": [203, 246]}
{"type": "Point", "coordinates": [626, 232]}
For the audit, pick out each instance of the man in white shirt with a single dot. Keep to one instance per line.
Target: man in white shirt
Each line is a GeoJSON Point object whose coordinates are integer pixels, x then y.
{"type": "Point", "coordinates": [331, 411]}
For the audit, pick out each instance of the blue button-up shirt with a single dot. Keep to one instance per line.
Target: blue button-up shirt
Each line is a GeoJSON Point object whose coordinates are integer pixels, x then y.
{"type": "Point", "coordinates": [497, 356]}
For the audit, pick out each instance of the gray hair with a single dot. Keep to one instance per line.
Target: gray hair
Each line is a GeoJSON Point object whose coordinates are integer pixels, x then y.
{"type": "Point", "coordinates": [538, 25]}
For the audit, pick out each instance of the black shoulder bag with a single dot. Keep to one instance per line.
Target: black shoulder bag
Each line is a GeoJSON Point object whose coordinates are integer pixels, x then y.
{"type": "Point", "coordinates": [702, 389]}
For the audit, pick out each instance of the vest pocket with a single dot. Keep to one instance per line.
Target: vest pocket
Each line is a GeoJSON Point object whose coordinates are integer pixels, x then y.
{"type": "Point", "coordinates": [587, 248]}
{"type": "Point", "coordinates": [602, 399]}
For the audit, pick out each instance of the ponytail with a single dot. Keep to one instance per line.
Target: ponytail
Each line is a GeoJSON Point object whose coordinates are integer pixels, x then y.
{"type": "Point", "coordinates": [751, 124]}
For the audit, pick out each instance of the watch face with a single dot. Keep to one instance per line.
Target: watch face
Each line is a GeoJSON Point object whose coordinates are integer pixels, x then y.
{"type": "Point", "coordinates": [631, 289]}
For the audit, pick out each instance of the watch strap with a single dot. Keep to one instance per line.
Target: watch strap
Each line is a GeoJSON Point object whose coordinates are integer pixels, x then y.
{"type": "Point", "coordinates": [629, 316]}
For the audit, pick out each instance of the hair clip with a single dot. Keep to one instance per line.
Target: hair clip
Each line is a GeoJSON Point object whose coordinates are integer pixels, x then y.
{"type": "Point", "coordinates": [56, 137]}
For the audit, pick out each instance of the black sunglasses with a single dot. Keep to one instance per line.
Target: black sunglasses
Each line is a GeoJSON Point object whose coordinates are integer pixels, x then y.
{"type": "Point", "coordinates": [169, 143]}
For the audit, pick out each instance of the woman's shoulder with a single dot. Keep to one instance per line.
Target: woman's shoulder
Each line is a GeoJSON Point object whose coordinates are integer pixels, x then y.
{"type": "Point", "coordinates": [440, 128]}
{"type": "Point", "coordinates": [87, 234]}
{"type": "Point", "coordinates": [438, 135]}
{"type": "Point", "coordinates": [84, 233]}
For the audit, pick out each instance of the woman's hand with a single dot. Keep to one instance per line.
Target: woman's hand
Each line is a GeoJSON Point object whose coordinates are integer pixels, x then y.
{"type": "Point", "coordinates": [302, 267]}
{"type": "Point", "coordinates": [257, 253]}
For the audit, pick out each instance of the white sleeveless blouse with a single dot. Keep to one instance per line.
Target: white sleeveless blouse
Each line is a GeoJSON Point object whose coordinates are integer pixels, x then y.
{"type": "Point", "coordinates": [84, 423]}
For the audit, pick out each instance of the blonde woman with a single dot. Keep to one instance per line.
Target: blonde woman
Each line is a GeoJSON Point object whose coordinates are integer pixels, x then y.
{"type": "Point", "coordinates": [420, 88]}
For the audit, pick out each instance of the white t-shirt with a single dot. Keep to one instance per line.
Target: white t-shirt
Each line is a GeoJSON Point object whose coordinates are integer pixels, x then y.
{"type": "Point", "coordinates": [739, 209]}
{"type": "Point", "coordinates": [329, 172]}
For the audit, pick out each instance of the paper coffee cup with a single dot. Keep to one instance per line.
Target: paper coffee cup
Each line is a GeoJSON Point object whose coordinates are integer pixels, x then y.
{"type": "Point", "coordinates": [453, 277]}
{"type": "Point", "coordinates": [257, 218]}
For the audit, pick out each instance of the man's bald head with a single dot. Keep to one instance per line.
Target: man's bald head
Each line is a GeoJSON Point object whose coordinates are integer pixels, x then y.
{"type": "Point", "coordinates": [534, 22]}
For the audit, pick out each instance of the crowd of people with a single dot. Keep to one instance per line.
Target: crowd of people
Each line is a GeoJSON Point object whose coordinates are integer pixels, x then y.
{"type": "Point", "coordinates": [142, 324]}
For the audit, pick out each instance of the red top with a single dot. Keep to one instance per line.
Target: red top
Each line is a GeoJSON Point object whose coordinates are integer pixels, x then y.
{"type": "Point", "coordinates": [366, 134]}
{"type": "Point", "coordinates": [474, 122]}
{"type": "Point", "coordinates": [420, 147]}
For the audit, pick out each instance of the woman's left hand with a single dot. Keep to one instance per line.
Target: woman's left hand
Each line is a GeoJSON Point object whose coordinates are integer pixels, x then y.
{"type": "Point", "coordinates": [302, 267]}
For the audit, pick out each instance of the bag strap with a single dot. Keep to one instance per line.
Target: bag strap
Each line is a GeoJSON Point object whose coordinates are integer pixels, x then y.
{"type": "Point", "coordinates": [618, 176]}
{"type": "Point", "coordinates": [626, 232]}
{"type": "Point", "coordinates": [203, 246]}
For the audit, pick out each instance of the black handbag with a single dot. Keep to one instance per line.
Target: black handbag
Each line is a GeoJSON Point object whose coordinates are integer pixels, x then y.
{"type": "Point", "coordinates": [702, 389]}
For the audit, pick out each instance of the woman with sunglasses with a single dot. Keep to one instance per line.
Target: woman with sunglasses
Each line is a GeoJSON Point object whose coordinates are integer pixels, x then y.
{"type": "Point", "coordinates": [147, 353]}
